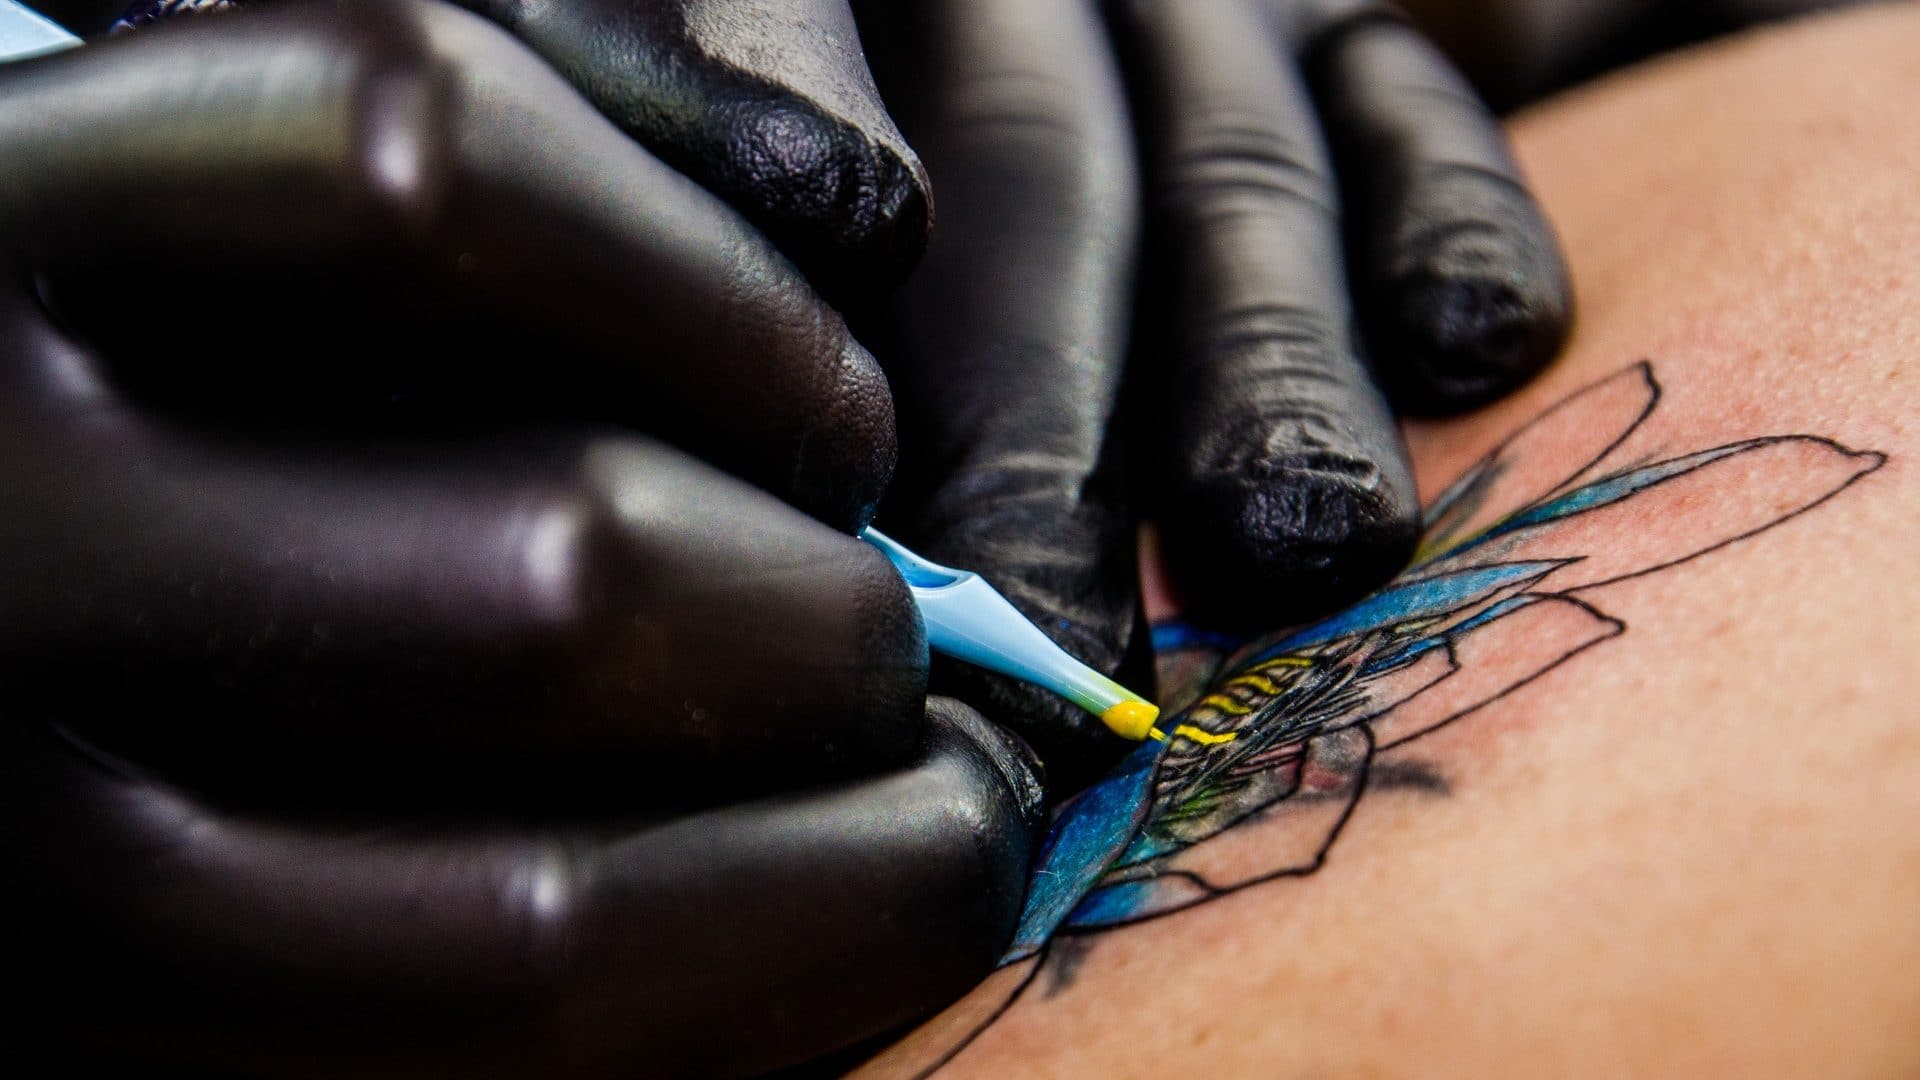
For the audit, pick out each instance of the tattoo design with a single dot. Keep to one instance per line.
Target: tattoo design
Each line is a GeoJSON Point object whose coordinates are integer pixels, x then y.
{"type": "Point", "coordinates": [147, 12]}
{"type": "Point", "coordinates": [1282, 736]}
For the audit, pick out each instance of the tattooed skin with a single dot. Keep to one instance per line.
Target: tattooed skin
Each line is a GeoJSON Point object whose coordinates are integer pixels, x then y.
{"type": "Point", "coordinates": [1288, 732]}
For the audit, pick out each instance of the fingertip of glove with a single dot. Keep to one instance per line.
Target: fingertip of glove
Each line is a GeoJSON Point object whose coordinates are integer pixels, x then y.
{"type": "Point", "coordinates": [1290, 541]}
{"type": "Point", "coordinates": [1464, 341]}
{"type": "Point", "coordinates": [1475, 299]}
{"type": "Point", "coordinates": [853, 210]}
{"type": "Point", "coordinates": [1018, 768]}
{"type": "Point", "coordinates": [908, 225]}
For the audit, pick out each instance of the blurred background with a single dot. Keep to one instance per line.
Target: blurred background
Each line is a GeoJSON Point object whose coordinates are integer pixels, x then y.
{"type": "Point", "coordinates": [1519, 50]}
{"type": "Point", "coordinates": [1514, 50]}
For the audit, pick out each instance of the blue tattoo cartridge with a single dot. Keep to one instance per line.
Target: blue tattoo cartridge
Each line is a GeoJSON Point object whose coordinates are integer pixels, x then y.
{"type": "Point", "coordinates": [967, 619]}
{"type": "Point", "coordinates": [25, 32]}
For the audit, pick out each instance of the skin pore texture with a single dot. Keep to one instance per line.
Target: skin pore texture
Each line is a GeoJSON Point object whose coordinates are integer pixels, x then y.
{"type": "Point", "coordinates": [1639, 800]}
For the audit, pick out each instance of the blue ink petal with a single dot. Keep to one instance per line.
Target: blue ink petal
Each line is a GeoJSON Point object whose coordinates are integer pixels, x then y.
{"type": "Point", "coordinates": [1091, 831]}
{"type": "Point", "coordinates": [1148, 845]}
{"type": "Point", "coordinates": [1113, 904]}
{"type": "Point", "coordinates": [1611, 490]}
{"type": "Point", "coordinates": [1496, 611]}
{"type": "Point", "coordinates": [1168, 636]}
{"type": "Point", "coordinates": [1423, 599]}
{"type": "Point", "coordinates": [1413, 649]}
{"type": "Point", "coordinates": [1407, 653]}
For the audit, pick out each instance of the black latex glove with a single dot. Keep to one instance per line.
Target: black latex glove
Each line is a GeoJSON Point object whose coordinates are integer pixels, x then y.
{"type": "Point", "coordinates": [150, 925]}
{"type": "Point", "coordinates": [377, 701]}
{"type": "Point", "coordinates": [1271, 453]}
{"type": "Point", "coordinates": [1298, 154]}
{"type": "Point", "coordinates": [1005, 348]}
{"type": "Point", "coordinates": [767, 103]}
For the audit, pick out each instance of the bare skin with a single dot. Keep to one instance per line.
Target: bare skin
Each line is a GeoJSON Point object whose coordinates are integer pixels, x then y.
{"type": "Point", "coordinates": [1688, 850]}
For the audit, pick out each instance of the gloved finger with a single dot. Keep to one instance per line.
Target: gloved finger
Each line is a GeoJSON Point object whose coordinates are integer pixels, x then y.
{"type": "Point", "coordinates": [1458, 276]}
{"type": "Point", "coordinates": [573, 594]}
{"type": "Point", "coordinates": [1005, 349]}
{"type": "Point", "coordinates": [160, 924]}
{"type": "Point", "coordinates": [397, 192]}
{"type": "Point", "coordinates": [1283, 486]}
{"type": "Point", "coordinates": [767, 103]}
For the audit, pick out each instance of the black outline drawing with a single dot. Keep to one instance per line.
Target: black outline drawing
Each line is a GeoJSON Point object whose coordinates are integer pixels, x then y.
{"type": "Point", "coordinates": [1114, 856]}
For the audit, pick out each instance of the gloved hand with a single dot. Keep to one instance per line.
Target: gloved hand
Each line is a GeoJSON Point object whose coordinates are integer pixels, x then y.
{"type": "Point", "coordinates": [1005, 348]}
{"type": "Point", "coordinates": [1279, 313]}
{"type": "Point", "coordinates": [766, 103]}
{"type": "Point", "coordinates": [379, 702]}
{"type": "Point", "coordinates": [1265, 447]}
{"type": "Point", "coordinates": [1299, 153]}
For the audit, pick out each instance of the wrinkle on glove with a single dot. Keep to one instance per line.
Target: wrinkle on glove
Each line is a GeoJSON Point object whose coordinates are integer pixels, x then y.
{"type": "Point", "coordinates": [408, 580]}
{"type": "Point", "coordinates": [766, 103]}
{"type": "Point", "coordinates": [1457, 274]}
{"type": "Point", "coordinates": [1337, 236]}
{"type": "Point", "coordinates": [1282, 484]}
{"type": "Point", "coordinates": [150, 926]}
{"type": "Point", "coordinates": [382, 701]}
{"type": "Point", "coordinates": [1006, 349]}
{"type": "Point", "coordinates": [395, 206]}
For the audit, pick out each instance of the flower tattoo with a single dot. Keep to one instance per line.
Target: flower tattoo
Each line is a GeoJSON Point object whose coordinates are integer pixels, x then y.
{"type": "Point", "coordinates": [1285, 731]}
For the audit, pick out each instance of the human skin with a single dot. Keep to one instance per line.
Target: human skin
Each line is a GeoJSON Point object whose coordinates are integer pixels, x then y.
{"type": "Point", "coordinates": [1689, 850]}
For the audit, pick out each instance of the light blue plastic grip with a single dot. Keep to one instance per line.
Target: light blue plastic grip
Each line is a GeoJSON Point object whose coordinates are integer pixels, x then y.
{"type": "Point", "coordinates": [25, 32]}
{"type": "Point", "coordinates": [968, 620]}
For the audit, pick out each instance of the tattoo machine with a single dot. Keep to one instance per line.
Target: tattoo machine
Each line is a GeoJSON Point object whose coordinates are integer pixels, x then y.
{"type": "Point", "coordinates": [969, 620]}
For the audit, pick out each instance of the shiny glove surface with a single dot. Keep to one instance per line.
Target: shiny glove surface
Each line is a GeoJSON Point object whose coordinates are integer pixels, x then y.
{"type": "Point", "coordinates": [1335, 233]}
{"type": "Point", "coordinates": [381, 701]}
{"type": "Point", "coordinates": [1006, 347]}
{"type": "Point", "coordinates": [153, 923]}
{"type": "Point", "coordinates": [766, 103]}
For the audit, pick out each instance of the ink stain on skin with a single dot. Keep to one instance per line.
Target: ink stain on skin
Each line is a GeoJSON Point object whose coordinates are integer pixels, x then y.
{"type": "Point", "coordinates": [1416, 776]}
{"type": "Point", "coordinates": [1064, 958]}
{"type": "Point", "coordinates": [1508, 584]}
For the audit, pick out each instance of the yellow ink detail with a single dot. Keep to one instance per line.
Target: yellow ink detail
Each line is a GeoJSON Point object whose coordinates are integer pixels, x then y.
{"type": "Point", "coordinates": [1283, 661]}
{"type": "Point", "coordinates": [1199, 735]}
{"type": "Point", "coordinates": [1226, 705]}
{"type": "Point", "coordinates": [1258, 682]}
{"type": "Point", "coordinates": [1132, 719]}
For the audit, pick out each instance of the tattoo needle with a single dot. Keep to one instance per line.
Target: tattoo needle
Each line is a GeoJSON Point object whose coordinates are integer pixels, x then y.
{"type": "Point", "coordinates": [968, 620]}
{"type": "Point", "coordinates": [25, 33]}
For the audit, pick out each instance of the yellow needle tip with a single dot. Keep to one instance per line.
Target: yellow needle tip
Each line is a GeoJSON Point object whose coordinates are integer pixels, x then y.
{"type": "Point", "coordinates": [1131, 719]}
